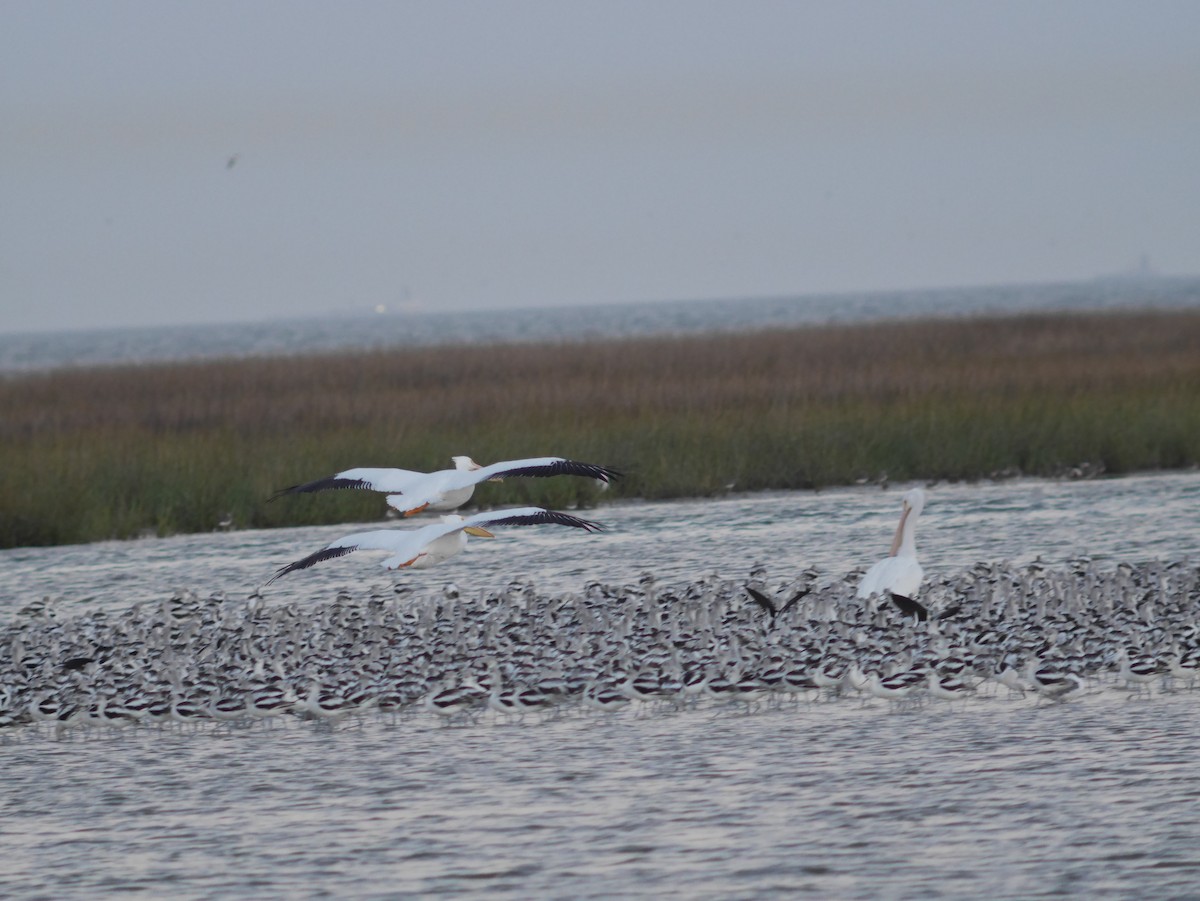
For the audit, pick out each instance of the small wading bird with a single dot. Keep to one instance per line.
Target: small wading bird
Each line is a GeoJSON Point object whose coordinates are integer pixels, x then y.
{"type": "Point", "coordinates": [769, 605]}
{"type": "Point", "coordinates": [434, 543]}
{"type": "Point", "coordinates": [909, 607]}
{"type": "Point", "coordinates": [899, 572]}
{"type": "Point", "coordinates": [1051, 679]}
{"type": "Point", "coordinates": [411, 492]}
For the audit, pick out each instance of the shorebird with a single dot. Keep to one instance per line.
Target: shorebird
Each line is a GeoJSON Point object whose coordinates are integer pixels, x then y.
{"type": "Point", "coordinates": [435, 543]}
{"type": "Point", "coordinates": [1138, 672]}
{"type": "Point", "coordinates": [947, 687]}
{"type": "Point", "coordinates": [605, 697]}
{"type": "Point", "coordinates": [767, 604]}
{"type": "Point", "coordinates": [1184, 666]}
{"type": "Point", "coordinates": [1011, 679]}
{"type": "Point", "coordinates": [411, 492]}
{"type": "Point", "coordinates": [895, 688]}
{"type": "Point", "coordinates": [1051, 679]}
{"type": "Point", "coordinates": [454, 701]}
{"type": "Point", "coordinates": [909, 607]}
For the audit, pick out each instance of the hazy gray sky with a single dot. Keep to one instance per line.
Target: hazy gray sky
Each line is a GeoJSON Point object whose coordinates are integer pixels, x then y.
{"type": "Point", "coordinates": [168, 162]}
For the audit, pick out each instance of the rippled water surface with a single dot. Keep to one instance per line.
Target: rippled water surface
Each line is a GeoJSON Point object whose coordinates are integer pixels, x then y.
{"type": "Point", "coordinates": [995, 797]}
{"type": "Point", "coordinates": [1005, 799]}
{"type": "Point", "coordinates": [1135, 518]}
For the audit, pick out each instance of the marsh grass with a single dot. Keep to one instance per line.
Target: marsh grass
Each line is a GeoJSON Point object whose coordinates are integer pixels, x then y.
{"type": "Point", "coordinates": [119, 451]}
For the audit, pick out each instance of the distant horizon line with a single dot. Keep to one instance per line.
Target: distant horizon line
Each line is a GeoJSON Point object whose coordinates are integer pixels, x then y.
{"type": "Point", "coordinates": [368, 312]}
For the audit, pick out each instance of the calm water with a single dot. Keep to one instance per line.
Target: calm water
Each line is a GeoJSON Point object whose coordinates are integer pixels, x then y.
{"type": "Point", "coordinates": [46, 350]}
{"type": "Point", "coordinates": [1094, 798]}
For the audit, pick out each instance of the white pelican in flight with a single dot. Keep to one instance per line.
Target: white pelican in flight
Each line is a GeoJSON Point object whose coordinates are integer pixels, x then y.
{"type": "Point", "coordinates": [899, 572]}
{"type": "Point", "coordinates": [434, 543]}
{"type": "Point", "coordinates": [411, 492]}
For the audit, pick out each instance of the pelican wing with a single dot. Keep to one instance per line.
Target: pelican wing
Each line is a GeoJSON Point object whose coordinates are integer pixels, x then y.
{"type": "Point", "coordinates": [544, 467]}
{"type": "Point", "coordinates": [326, 553]}
{"type": "Point", "coordinates": [530, 516]}
{"type": "Point", "coordinates": [368, 479]}
{"type": "Point", "coordinates": [376, 540]}
{"type": "Point", "coordinates": [405, 544]}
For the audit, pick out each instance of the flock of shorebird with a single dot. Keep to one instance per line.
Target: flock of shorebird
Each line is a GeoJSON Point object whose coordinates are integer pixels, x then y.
{"type": "Point", "coordinates": [991, 631]}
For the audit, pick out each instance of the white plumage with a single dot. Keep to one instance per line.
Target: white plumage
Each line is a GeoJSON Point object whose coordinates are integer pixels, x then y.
{"type": "Point", "coordinates": [411, 492]}
{"type": "Point", "coordinates": [899, 572]}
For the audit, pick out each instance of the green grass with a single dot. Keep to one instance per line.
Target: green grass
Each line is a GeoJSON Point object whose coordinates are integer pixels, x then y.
{"type": "Point", "coordinates": [114, 452]}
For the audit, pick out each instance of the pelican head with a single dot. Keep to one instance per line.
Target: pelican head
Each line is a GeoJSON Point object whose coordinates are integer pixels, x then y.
{"type": "Point", "coordinates": [465, 464]}
{"type": "Point", "coordinates": [914, 501]}
{"type": "Point", "coordinates": [477, 531]}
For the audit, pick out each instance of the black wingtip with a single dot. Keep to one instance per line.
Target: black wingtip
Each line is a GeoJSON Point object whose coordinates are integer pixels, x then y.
{"type": "Point", "coordinates": [282, 571]}
{"type": "Point", "coordinates": [327, 553]}
{"type": "Point", "coordinates": [332, 483]}
{"type": "Point", "coordinates": [563, 467]}
{"type": "Point", "coordinates": [594, 470]}
{"type": "Point", "coordinates": [539, 516]}
{"type": "Point", "coordinates": [566, 519]}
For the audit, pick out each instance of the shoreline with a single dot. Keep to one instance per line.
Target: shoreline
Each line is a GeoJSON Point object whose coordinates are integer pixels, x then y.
{"type": "Point", "coordinates": [178, 448]}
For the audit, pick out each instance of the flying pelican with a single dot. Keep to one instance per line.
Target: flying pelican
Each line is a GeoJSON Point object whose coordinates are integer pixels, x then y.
{"type": "Point", "coordinates": [411, 492]}
{"type": "Point", "coordinates": [434, 543]}
{"type": "Point", "coordinates": [899, 572]}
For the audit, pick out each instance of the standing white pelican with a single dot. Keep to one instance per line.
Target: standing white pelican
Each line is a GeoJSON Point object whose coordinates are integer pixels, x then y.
{"type": "Point", "coordinates": [434, 543]}
{"type": "Point", "coordinates": [411, 492]}
{"type": "Point", "coordinates": [899, 572]}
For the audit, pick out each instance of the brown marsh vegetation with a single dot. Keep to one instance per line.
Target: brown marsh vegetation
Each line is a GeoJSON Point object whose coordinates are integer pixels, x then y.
{"type": "Point", "coordinates": [113, 452]}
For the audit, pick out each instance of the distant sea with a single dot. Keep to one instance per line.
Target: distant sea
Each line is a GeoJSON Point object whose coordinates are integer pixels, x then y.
{"type": "Point", "coordinates": [48, 350]}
